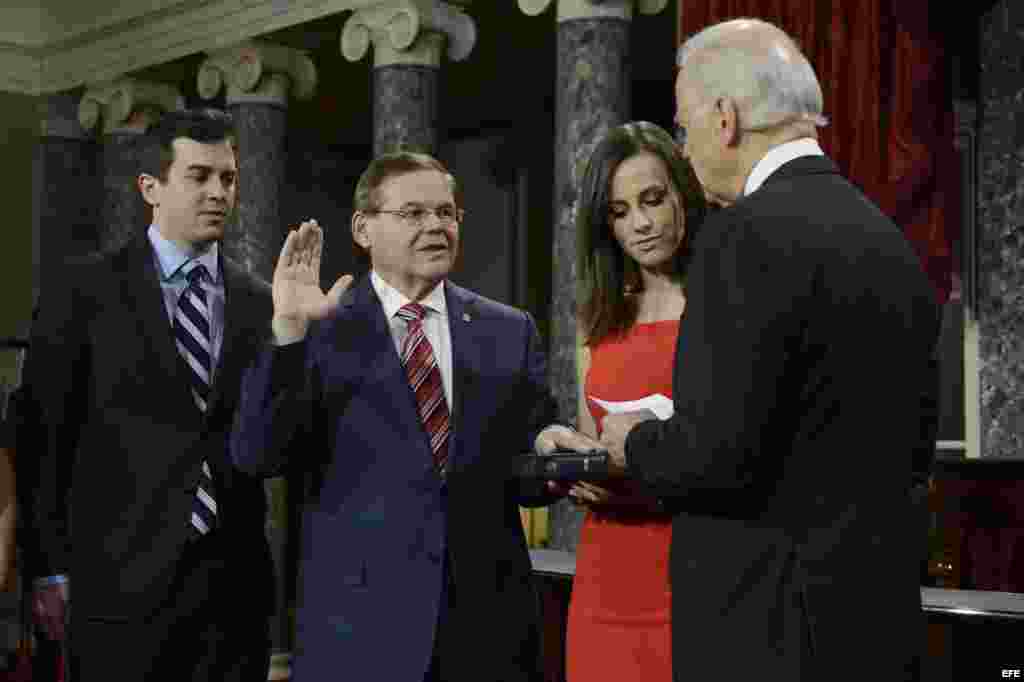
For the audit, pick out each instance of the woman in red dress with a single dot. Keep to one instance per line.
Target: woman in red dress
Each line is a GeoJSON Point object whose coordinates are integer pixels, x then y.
{"type": "Point", "coordinates": [640, 204]}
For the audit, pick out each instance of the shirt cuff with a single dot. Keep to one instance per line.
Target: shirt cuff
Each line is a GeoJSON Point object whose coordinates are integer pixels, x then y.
{"type": "Point", "coordinates": [536, 439]}
{"type": "Point", "coordinates": [48, 580]}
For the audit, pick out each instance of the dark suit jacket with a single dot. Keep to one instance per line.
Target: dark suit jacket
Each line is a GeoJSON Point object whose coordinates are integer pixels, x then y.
{"type": "Point", "coordinates": [377, 524]}
{"type": "Point", "coordinates": [805, 392]}
{"type": "Point", "coordinates": [111, 432]}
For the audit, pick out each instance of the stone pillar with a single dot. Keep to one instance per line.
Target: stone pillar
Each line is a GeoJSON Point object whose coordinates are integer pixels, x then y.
{"type": "Point", "coordinates": [1001, 242]}
{"type": "Point", "coordinates": [126, 108]}
{"type": "Point", "coordinates": [593, 96]}
{"type": "Point", "coordinates": [408, 36]}
{"type": "Point", "coordinates": [67, 190]}
{"type": "Point", "coordinates": [259, 78]}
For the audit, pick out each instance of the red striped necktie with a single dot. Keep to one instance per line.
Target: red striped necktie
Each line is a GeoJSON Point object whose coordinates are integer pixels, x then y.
{"type": "Point", "coordinates": [425, 380]}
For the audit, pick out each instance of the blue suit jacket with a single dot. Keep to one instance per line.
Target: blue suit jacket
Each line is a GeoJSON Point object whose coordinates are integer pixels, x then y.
{"type": "Point", "coordinates": [377, 524]}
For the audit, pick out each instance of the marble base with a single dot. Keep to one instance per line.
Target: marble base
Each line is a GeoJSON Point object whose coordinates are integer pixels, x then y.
{"type": "Point", "coordinates": [593, 96]}
{"type": "Point", "coordinates": [405, 109]}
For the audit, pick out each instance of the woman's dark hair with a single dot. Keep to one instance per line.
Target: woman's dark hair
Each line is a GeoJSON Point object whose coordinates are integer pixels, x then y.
{"type": "Point", "coordinates": [606, 274]}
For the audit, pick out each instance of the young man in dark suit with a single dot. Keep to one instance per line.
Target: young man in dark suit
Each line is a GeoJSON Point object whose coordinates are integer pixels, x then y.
{"type": "Point", "coordinates": [133, 376]}
{"type": "Point", "coordinates": [805, 392]}
{"type": "Point", "coordinates": [410, 399]}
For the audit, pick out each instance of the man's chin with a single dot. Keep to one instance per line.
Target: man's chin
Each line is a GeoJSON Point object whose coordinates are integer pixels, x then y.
{"type": "Point", "coordinates": [438, 261]}
{"type": "Point", "coordinates": [212, 230]}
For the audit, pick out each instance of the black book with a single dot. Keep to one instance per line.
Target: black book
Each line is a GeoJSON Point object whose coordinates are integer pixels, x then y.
{"type": "Point", "coordinates": [565, 465]}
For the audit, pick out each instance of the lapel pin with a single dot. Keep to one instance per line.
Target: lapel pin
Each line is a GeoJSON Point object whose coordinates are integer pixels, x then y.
{"type": "Point", "coordinates": [466, 317]}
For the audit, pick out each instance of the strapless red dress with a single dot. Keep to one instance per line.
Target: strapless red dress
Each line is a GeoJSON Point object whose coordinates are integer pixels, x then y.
{"type": "Point", "coordinates": [620, 613]}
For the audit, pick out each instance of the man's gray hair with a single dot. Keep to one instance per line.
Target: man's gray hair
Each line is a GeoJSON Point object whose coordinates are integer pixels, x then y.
{"type": "Point", "coordinates": [758, 66]}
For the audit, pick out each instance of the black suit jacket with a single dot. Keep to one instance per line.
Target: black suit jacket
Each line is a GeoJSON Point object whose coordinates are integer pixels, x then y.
{"type": "Point", "coordinates": [805, 393]}
{"type": "Point", "coordinates": [111, 442]}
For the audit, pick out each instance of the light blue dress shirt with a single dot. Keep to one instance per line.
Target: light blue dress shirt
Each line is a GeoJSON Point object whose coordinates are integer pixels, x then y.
{"type": "Point", "coordinates": [171, 261]}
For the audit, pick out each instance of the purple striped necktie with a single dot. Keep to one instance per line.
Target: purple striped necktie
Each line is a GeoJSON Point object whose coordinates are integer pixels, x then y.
{"type": "Point", "coordinates": [192, 336]}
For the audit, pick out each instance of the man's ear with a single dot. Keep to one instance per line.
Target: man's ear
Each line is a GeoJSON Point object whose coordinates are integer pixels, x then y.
{"type": "Point", "coordinates": [360, 233]}
{"type": "Point", "coordinates": [728, 121]}
{"type": "Point", "coordinates": [148, 187]}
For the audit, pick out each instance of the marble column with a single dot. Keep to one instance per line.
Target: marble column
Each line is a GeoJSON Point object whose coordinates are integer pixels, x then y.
{"type": "Point", "coordinates": [1001, 240]}
{"type": "Point", "coordinates": [408, 37]}
{"type": "Point", "coordinates": [67, 191]}
{"type": "Point", "coordinates": [125, 108]}
{"type": "Point", "coordinates": [259, 79]}
{"type": "Point", "coordinates": [593, 96]}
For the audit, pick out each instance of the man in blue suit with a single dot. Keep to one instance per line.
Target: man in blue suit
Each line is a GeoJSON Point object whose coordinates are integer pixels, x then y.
{"type": "Point", "coordinates": [401, 403]}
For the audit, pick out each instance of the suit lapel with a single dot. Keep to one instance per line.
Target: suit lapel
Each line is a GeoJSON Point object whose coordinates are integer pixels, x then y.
{"type": "Point", "coordinates": [379, 366]}
{"type": "Point", "coordinates": [238, 305]}
{"type": "Point", "coordinates": [141, 286]}
{"type": "Point", "coordinates": [465, 356]}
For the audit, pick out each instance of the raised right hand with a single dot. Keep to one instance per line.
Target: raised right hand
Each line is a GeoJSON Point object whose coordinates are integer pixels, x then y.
{"type": "Point", "coordinates": [298, 299]}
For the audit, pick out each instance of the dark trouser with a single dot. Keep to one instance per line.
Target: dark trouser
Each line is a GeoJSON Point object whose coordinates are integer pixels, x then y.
{"type": "Point", "coordinates": [206, 631]}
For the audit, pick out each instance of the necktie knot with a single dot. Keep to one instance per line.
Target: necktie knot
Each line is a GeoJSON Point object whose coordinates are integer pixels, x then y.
{"type": "Point", "coordinates": [412, 312]}
{"type": "Point", "coordinates": [197, 275]}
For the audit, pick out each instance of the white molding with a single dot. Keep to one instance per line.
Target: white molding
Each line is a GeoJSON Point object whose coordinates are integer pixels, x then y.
{"type": "Point", "coordinates": [20, 70]}
{"type": "Point", "coordinates": [65, 20]}
{"type": "Point", "coordinates": [177, 30]}
{"type": "Point", "coordinates": [23, 26]}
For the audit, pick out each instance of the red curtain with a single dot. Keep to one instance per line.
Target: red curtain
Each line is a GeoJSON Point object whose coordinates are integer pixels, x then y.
{"type": "Point", "coordinates": [883, 73]}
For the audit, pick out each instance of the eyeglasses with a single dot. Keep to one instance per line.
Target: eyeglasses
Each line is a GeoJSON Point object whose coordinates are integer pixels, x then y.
{"type": "Point", "coordinates": [417, 215]}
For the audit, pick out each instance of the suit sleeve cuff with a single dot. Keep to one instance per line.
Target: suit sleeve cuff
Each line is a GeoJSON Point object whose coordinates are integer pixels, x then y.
{"type": "Point", "coordinates": [638, 439]}
{"type": "Point", "coordinates": [287, 364]}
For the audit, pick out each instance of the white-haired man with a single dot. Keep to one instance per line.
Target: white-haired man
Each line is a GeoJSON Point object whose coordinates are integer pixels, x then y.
{"type": "Point", "coordinates": [805, 392]}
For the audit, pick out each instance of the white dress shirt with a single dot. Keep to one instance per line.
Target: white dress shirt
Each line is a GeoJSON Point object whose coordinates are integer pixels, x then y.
{"type": "Point", "coordinates": [435, 325]}
{"type": "Point", "coordinates": [778, 157]}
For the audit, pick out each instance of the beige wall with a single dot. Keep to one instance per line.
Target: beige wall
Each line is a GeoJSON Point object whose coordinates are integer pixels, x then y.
{"type": "Point", "coordinates": [19, 127]}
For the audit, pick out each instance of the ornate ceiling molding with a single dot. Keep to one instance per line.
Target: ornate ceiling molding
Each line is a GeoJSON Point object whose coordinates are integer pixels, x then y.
{"type": "Point", "coordinates": [178, 28]}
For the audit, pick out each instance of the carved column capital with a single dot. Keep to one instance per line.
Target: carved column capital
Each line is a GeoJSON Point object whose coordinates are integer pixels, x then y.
{"type": "Point", "coordinates": [257, 72]}
{"type": "Point", "coordinates": [127, 104]}
{"type": "Point", "coordinates": [592, 9]}
{"type": "Point", "coordinates": [408, 32]}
